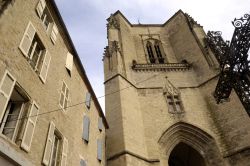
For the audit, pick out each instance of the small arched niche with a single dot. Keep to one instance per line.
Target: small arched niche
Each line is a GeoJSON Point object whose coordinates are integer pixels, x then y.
{"type": "Point", "coordinates": [185, 155]}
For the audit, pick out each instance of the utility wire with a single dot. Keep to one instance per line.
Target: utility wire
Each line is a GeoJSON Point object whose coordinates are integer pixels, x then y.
{"type": "Point", "coordinates": [26, 117]}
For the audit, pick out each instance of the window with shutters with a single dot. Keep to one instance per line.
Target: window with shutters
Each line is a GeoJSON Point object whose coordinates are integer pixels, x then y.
{"type": "Point", "coordinates": [56, 148]}
{"type": "Point", "coordinates": [55, 151]}
{"type": "Point", "coordinates": [85, 133]}
{"type": "Point", "coordinates": [174, 104]}
{"type": "Point", "coordinates": [154, 51]}
{"type": "Point", "coordinates": [69, 63]}
{"type": "Point", "coordinates": [100, 124]}
{"type": "Point", "coordinates": [14, 105]}
{"type": "Point", "coordinates": [99, 149]}
{"type": "Point", "coordinates": [88, 100]}
{"type": "Point", "coordinates": [35, 52]}
{"type": "Point", "coordinates": [64, 96]}
{"type": "Point", "coordinates": [47, 20]}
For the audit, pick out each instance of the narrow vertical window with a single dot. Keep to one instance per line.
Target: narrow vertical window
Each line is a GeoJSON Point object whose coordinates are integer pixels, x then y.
{"type": "Point", "coordinates": [150, 52]}
{"type": "Point", "coordinates": [64, 97]}
{"type": "Point", "coordinates": [88, 100]}
{"type": "Point", "coordinates": [69, 63]}
{"type": "Point", "coordinates": [158, 53]}
{"type": "Point", "coordinates": [100, 124]}
{"type": "Point", "coordinates": [85, 134]}
{"type": "Point", "coordinates": [99, 149]}
{"type": "Point", "coordinates": [55, 152]}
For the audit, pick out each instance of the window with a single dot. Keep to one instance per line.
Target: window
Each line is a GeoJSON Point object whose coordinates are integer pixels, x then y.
{"type": "Point", "coordinates": [155, 51]}
{"type": "Point", "coordinates": [158, 52]}
{"type": "Point", "coordinates": [99, 149]}
{"type": "Point", "coordinates": [13, 106]}
{"type": "Point", "coordinates": [150, 52]}
{"type": "Point", "coordinates": [47, 20]}
{"type": "Point", "coordinates": [56, 148]}
{"type": "Point", "coordinates": [64, 97]}
{"type": "Point", "coordinates": [88, 100]}
{"type": "Point", "coordinates": [35, 52]}
{"type": "Point", "coordinates": [69, 63]}
{"type": "Point", "coordinates": [100, 124]}
{"type": "Point", "coordinates": [85, 133]}
{"type": "Point", "coordinates": [174, 104]}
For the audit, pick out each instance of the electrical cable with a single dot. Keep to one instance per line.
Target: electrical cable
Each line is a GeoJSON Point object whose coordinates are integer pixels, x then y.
{"type": "Point", "coordinates": [26, 117]}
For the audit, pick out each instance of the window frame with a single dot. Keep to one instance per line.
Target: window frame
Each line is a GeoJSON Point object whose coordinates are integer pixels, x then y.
{"type": "Point", "coordinates": [154, 46]}
{"type": "Point", "coordinates": [171, 100]}
{"type": "Point", "coordinates": [17, 125]}
{"type": "Point", "coordinates": [57, 135]}
{"type": "Point", "coordinates": [25, 109]}
{"type": "Point", "coordinates": [41, 53]}
{"type": "Point", "coordinates": [64, 94]}
{"type": "Point", "coordinates": [28, 44]}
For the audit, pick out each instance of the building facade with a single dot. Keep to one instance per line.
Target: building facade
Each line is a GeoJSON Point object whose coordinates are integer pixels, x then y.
{"type": "Point", "coordinates": [49, 114]}
{"type": "Point", "coordinates": [159, 82]}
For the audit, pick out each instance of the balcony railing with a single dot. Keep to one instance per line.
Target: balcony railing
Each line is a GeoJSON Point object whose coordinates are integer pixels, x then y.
{"type": "Point", "coordinates": [161, 67]}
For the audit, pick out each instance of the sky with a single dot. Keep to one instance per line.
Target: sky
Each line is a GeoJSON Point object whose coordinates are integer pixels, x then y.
{"type": "Point", "coordinates": [86, 23]}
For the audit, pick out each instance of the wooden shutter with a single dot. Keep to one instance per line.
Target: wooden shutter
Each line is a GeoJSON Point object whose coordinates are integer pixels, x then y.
{"type": "Point", "coordinates": [54, 33]}
{"type": "Point", "coordinates": [27, 39]}
{"type": "Point", "coordinates": [99, 149]}
{"type": "Point", "coordinates": [83, 163]}
{"type": "Point", "coordinates": [88, 99]}
{"type": "Point", "coordinates": [69, 62]}
{"type": "Point", "coordinates": [30, 127]}
{"type": "Point", "coordinates": [49, 144]}
{"type": "Point", "coordinates": [40, 7]}
{"type": "Point", "coordinates": [86, 123]}
{"type": "Point", "coordinates": [64, 152]}
{"type": "Point", "coordinates": [45, 66]}
{"type": "Point", "coordinates": [6, 87]}
{"type": "Point", "coordinates": [100, 123]}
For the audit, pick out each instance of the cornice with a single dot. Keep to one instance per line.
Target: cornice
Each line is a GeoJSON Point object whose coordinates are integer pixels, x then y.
{"type": "Point", "coordinates": [162, 67]}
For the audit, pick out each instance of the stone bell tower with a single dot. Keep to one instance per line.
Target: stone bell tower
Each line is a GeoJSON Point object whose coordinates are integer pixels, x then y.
{"type": "Point", "coordinates": [159, 84]}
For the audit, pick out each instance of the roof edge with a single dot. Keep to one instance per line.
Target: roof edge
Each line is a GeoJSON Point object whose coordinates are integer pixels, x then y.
{"type": "Point", "coordinates": [142, 25]}
{"type": "Point", "coordinates": [85, 78]}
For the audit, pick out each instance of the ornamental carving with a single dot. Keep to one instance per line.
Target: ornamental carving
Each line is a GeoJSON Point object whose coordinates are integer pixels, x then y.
{"type": "Point", "coordinates": [113, 22]}
{"type": "Point", "coordinates": [113, 48]}
{"type": "Point", "coordinates": [170, 88]}
{"type": "Point", "coordinates": [192, 21]}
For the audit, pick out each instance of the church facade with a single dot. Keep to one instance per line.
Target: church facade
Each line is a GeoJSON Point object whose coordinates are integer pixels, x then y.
{"type": "Point", "coordinates": [159, 84]}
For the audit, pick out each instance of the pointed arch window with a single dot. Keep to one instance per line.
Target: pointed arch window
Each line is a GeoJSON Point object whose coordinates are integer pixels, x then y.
{"type": "Point", "coordinates": [154, 51]}
{"type": "Point", "coordinates": [158, 52]}
{"type": "Point", "coordinates": [150, 52]}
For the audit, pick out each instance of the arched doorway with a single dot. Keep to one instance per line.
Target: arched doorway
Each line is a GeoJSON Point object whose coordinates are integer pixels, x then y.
{"type": "Point", "coordinates": [182, 135]}
{"type": "Point", "coordinates": [185, 155]}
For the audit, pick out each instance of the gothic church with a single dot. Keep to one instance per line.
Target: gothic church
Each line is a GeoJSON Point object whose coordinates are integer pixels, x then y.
{"type": "Point", "coordinates": [162, 111]}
